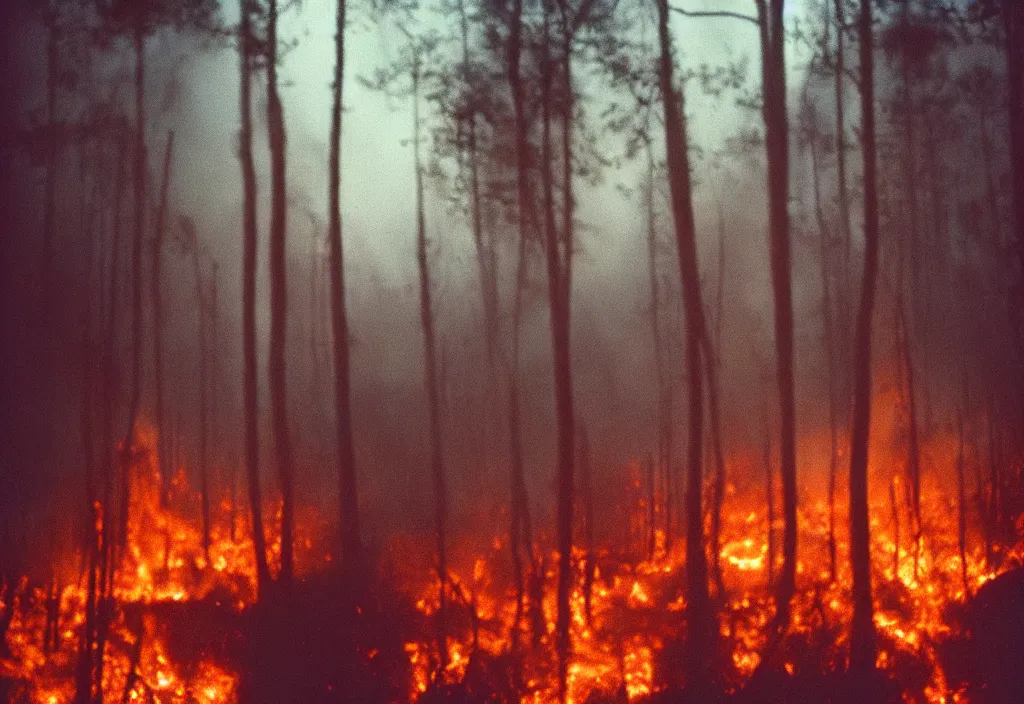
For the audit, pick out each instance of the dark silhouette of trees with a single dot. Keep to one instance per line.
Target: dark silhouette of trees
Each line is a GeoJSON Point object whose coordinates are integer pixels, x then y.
{"type": "Point", "coordinates": [712, 365]}
{"type": "Point", "coordinates": [862, 634]}
{"type": "Point", "coordinates": [418, 47]}
{"type": "Point", "coordinates": [777, 148]}
{"type": "Point", "coordinates": [279, 298]}
{"type": "Point", "coordinates": [190, 246]}
{"type": "Point", "coordinates": [349, 517]}
{"type": "Point", "coordinates": [701, 626]}
{"type": "Point", "coordinates": [520, 532]}
{"type": "Point", "coordinates": [156, 299]}
{"type": "Point", "coordinates": [247, 55]}
{"type": "Point", "coordinates": [811, 137]}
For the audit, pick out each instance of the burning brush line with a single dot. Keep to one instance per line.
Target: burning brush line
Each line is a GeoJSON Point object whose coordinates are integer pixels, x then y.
{"type": "Point", "coordinates": [623, 635]}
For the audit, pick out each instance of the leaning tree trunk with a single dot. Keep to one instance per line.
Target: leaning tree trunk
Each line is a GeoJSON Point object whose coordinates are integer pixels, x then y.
{"type": "Point", "coordinates": [701, 625]}
{"type": "Point", "coordinates": [249, 235]}
{"type": "Point", "coordinates": [777, 150]}
{"type": "Point", "coordinates": [339, 324]}
{"type": "Point", "coordinates": [279, 299]}
{"type": "Point", "coordinates": [862, 633]}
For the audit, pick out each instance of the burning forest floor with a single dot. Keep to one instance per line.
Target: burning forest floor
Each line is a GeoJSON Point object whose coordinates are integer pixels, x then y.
{"type": "Point", "coordinates": [184, 625]}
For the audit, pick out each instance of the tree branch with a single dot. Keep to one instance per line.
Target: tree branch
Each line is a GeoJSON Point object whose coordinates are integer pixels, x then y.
{"type": "Point", "coordinates": [720, 14]}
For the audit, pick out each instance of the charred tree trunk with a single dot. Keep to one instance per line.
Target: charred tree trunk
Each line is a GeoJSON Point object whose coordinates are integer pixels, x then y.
{"type": "Point", "coordinates": [521, 533]}
{"type": "Point", "coordinates": [992, 518]}
{"type": "Point", "coordinates": [777, 150]}
{"type": "Point", "coordinates": [587, 492]}
{"type": "Point", "coordinates": [204, 433]}
{"type": "Point", "coordinates": [845, 290]}
{"type": "Point", "coordinates": [139, 184]}
{"type": "Point", "coordinates": [663, 389]}
{"type": "Point", "coordinates": [895, 507]}
{"type": "Point", "coordinates": [86, 684]}
{"type": "Point", "coordinates": [558, 251]}
{"type": "Point", "coordinates": [961, 486]}
{"type": "Point", "coordinates": [828, 329]}
{"type": "Point", "coordinates": [156, 296]}
{"type": "Point", "coordinates": [350, 542]}
{"type": "Point", "coordinates": [913, 443]}
{"type": "Point", "coordinates": [431, 374]}
{"type": "Point", "coordinates": [652, 508]}
{"type": "Point", "coordinates": [770, 500]}
{"type": "Point", "coordinates": [279, 299]}
{"type": "Point", "coordinates": [712, 365]}
{"type": "Point", "coordinates": [702, 629]}
{"type": "Point", "coordinates": [249, 235]}
{"type": "Point", "coordinates": [215, 437]}
{"type": "Point", "coordinates": [485, 254]}
{"type": "Point", "coordinates": [862, 634]}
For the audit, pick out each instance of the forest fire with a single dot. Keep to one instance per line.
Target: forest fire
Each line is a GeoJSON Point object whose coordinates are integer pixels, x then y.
{"type": "Point", "coordinates": [619, 633]}
{"type": "Point", "coordinates": [649, 364]}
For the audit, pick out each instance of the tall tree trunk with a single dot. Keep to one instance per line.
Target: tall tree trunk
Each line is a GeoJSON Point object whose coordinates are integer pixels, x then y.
{"type": "Point", "coordinates": [138, 235]}
{"type": "Point", "coordinates": [156, 296]}
{"type": "Point", "coordinates": [845, 289]}
{"type": "Point", "coordinates": [961, 487]}
{"type": "Point", "coordinates": [992, 519]}
{"type": "Point", "coordinates": [279, 299]}
{"type": "Point", "coordinates": [862, 633]}
{"type": "Point", "coordinates": [828, 330]}
{"type": "Point", "coordinates": [485, 255]}
{"type": "Point", "coordinates": [350, 542]}
{"type": "Point", "coordinates": [102, 561]}
{"type": "Point", "coordinates": [777, 150]}
{"type": "Point", "coordinates": [587, 492]}
{"type": "Point", "coordinates": [712, 365]}
{"type": "Point", "coordinates": [431, 374]}
{"type": "Point", "coordinates": [663, 390]}
{"type": "Point", "coordinates": [910, 163]}
{"type": "Point", "coordinates": [215, 437]}
{"type": "Point", "coordinates": [895, 506]}
{"type": "Point", "coordinates": [913, 444]}
{"type": "Point", "coordinates": [558, 251]}
{"type": "Point", "coordinates": [85, 682]}
{"type": "Point", "coordinates": [249, 235]}
{"type": "Point", "coordinates": [204, 433]}
{"type": "Point", "coordinates": [701, 625]}
{"type": "Point", "coordinates": [769, 472]}
{"type": "Point", "coordinates": [521, 532]}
